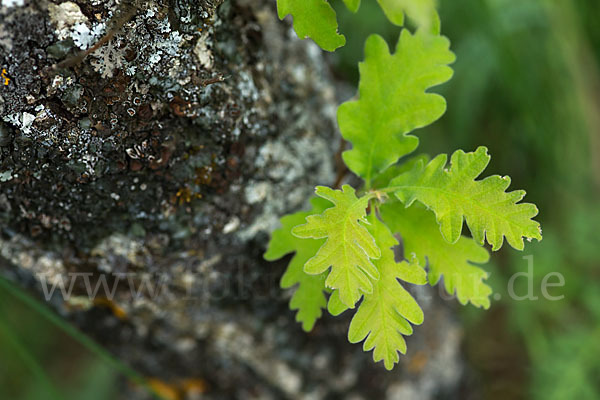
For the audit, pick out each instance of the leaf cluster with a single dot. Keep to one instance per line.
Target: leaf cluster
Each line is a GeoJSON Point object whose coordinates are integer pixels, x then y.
{"type": "Point", "coordinates": [345, 246]}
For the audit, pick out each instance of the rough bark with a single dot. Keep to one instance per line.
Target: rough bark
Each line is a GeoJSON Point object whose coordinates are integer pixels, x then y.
{"type": "Point", "coordinates": [169, 154]}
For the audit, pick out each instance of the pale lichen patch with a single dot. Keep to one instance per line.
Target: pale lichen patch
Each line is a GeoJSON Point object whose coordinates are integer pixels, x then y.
{"type": "Point", "coordinates": [12, 3]}
{"type": "Point", "coordinates": [63, 16]}
{"type": "Point", "coordinates": [203, 53]}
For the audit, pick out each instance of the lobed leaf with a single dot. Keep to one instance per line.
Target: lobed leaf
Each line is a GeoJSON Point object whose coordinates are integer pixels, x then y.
{"type": "Point", "coordinates": [309, 297]}
{"type": "Point", "coordinates": [393, 100]}
{"type": "Point", "coordinates": [453, 194]}
{"type": "Point", "coordinates": [421, 238]}
{"type": "Point", "coordinates": [349, 247]}
{"type": "Point", "coordinates": [315, 19]}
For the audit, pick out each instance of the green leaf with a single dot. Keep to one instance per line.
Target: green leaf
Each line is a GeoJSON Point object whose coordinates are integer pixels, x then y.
{"type": "Point", "coordinates": [421, 238]}
{"type": "Point", "coordinates": [422, 12]}
{"type": "Point", "coordinates": [454, 194]}
{"type": "Point", "coordinates": [393, 100]}
{"type": "Point", "coordinates": [349, 247]}
{"type": "Point", "coordinates": [352, 5]}
{"type": "Point", "coordinates": [315, 19]}
{"type": "Point", "coordinates": [383, 316]}
{"type": "Point", "coordinates": [309, 297]}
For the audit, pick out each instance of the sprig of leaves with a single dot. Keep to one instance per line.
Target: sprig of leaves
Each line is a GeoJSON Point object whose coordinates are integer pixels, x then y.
{"type": "Point", "coordinates": [345, 245]}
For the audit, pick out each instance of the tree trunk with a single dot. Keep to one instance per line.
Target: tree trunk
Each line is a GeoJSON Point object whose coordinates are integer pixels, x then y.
{"type": "Point", "coordinates": [164, 158]}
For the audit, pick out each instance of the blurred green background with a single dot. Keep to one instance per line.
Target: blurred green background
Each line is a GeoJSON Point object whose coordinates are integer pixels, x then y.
{"type": "Point", "coordinates": [527, 86]}
{"type": "Point", "coordinates": [40, 361]}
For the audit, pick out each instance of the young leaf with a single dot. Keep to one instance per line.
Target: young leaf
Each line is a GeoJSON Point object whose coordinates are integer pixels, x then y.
{"type": "Point", "coordinates": [349, 247]}
{"type": "Point", "coordinates": [383, 316]}
{"type": "Point", "coordinates": [309, 297]}
{"type": "Point", "coordinates": [393, 100]}
{"type": "Point", "coordinates": [352, 5]}
{"type": "Point", "coordinates": [421, 11]}
{"type": "Point", "coordinates": [315, 19]}
{"type": "Point", "coordinates": [421, 237]}
{"type": "Point", "coordinates": [454, 194]}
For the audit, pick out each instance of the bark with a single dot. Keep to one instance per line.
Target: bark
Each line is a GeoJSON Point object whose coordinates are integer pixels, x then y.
{"type": "Point", "coordinates": [166, 156]}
